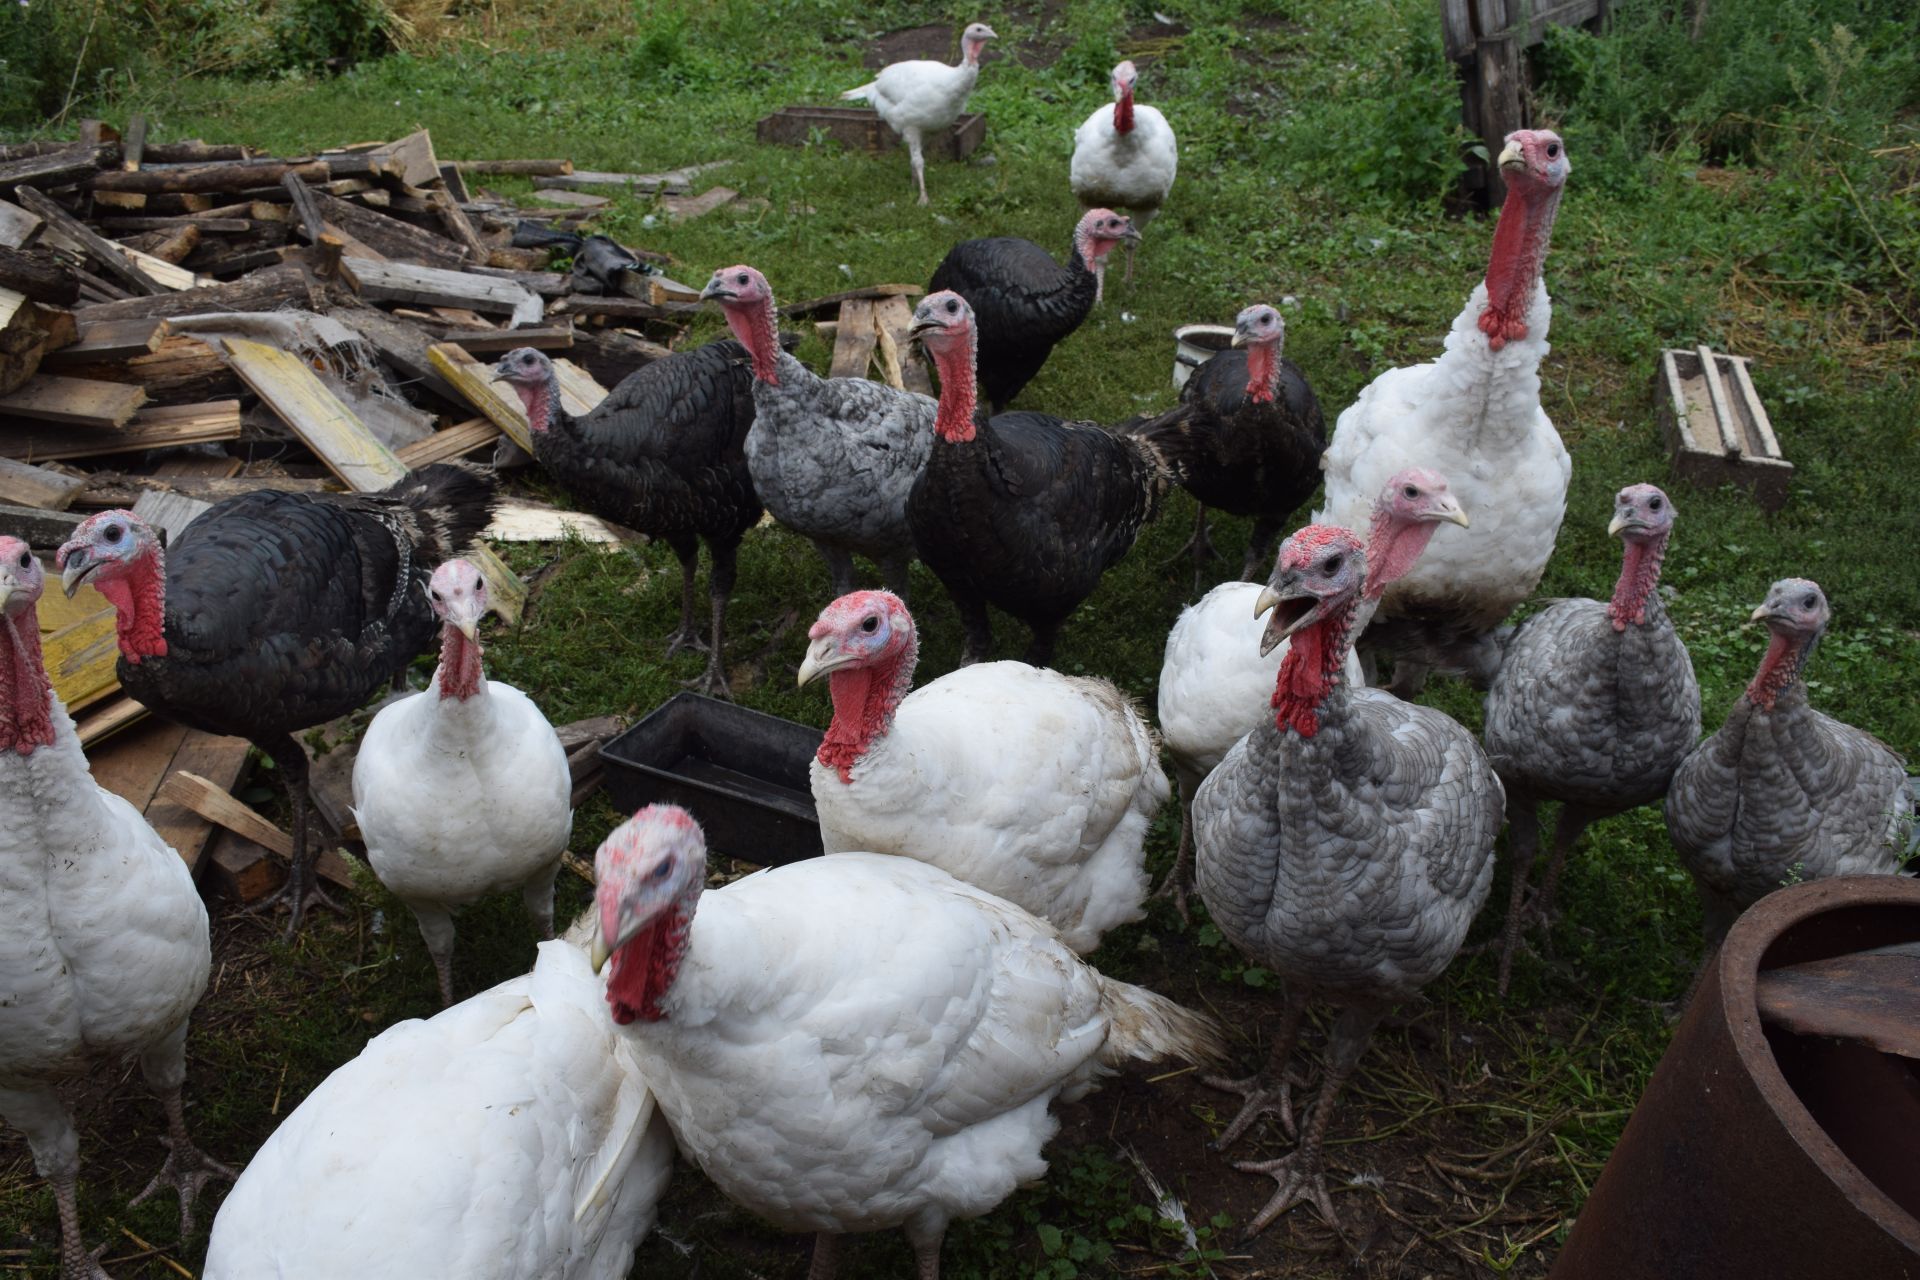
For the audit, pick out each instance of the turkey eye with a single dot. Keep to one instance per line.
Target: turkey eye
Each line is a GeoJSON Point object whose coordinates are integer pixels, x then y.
{"type": "Point", "coordinates": [870, 626]}
{"type": "Point", "coordinates": [111, 533]}
{"type": "Point", "coordinates": [662, 871]}
{"type": "Point", "coordinates": [1553, 149]}
{"type": "Point", "coordinates": [26, 559]}
{"type": "Point", "coordinates": [1412, 492]}
{"type": "Point", "coordinates": [1808, 603]}
{"type": "Point", "coordinates": [743, 277]}
{"type": "Point", "coordinates": [434, 594]}
{"type": "Point", "coordinates": [1333, 565]}
{"type": "Point", "coordinates": [951, 308]}
{"type": "Point", "coordinates": [1653, 505]}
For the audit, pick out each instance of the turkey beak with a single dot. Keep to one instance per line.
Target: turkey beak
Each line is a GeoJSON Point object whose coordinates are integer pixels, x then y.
{"type": "Point", "coordinates": [75, 568]}
{"type": "Point", "coordinates": [1131, 232]}
{"type": "Point", "coordinates": [716, 291]}
{"type": "Point", "coordinates": [599, 953]}
{"type": "Point", "coordinates": [1623, 520]}
{"type": "Point", "coordinates": [1450, 510]}
{"type": "Point", "coordinates": [1292, 608]}
{"type": "Point", "coordinates": [501, 372]}
{"type": "Point", "coordinates": [1760, 614]}
{"type": "Point", "coordinates": [823, 658]}
{"type": "Point", "coordinates": [1511, 157]}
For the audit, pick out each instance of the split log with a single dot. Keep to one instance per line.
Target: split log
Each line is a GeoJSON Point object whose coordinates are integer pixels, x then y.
{"type": "Point", "coordinates": [106, 255]}
{"type": "Point", "coordinates": [235, 175]}
{"type": "Point", "coordinates": [54, 169]}
{"type": "Point", "coordinates": [42, 529]}
{"type": "Point", "coordinates": [612, 355]}
{"type": "Point", "coordinates": [79, 402]}
{"type": "Point", "coordinates": [18, 228]}
{"type": "Point", "coordinates": [155, 427]}
{"type": "Point", "coordinates": [183, 369]}
{"type": "Point", "coordinates": [113, 340]}
{"type": "Point", "coordinates": [445, 444]}
{"type": "Point", "coordinates": [390, 237]}
{"type": "Point", "coordinates": [28, 486]}
{"type": "Point", "coordinates": [107, 490]}
{"type": "Point", "coordinates": [194, 151]}
{"type": "Point", "coordinates": [133, 148]}
{"type": "Point", "coordinates": [266, 290]}
{"type": "Point", "coordinates": [28, 332]}
{"type": "Point", "coordinates": [433, 286]}
{"type": "Point", "coordinates": [39, 275]}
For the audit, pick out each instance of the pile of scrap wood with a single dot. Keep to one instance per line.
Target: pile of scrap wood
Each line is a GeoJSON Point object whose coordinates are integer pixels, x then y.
{"type": "Point", "coordinates": [183, 322]}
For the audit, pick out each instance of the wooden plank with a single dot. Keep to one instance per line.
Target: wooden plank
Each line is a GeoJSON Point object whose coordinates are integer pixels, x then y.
{"type": "Point", "coordinates": [112, 340]}
{"type": "Point", "coordinates": [455, 220]}
{"type": "Point", "coordinates": [504, 588]}
{"type": "Point", "coordinates": [1762, 424]}
{"type": "Point", "coordinates": [673, 180]}
{"type": "Point", "coordinates": [449, 443]}
{"type": "Point", "coordinates": [220, 760]}
{"type": "Point", "coordinates": [262, 291]}
{"type": "Point", "coordinates": [200, 466]}
{"type": "Point", "coordinates": [433, 286]}
{"type": "Point", "coordinates": [537, 522]}
{"type": "Point", "coordinates": [687, 208]}
{"type": "Point", "coordinates": [500, 341]}
{"type": "Point", "coordinates": [872, 293]}
{"type": "Point", "coordinates": [106, 718]}
{"type": "Point", "coordinates": [135, 764]}
{"type": "Point", "coordinates": [123, 491]}
{"type": "Point", "coordinates": [893, 321]}
{"type": "Point", "coordinates": [172, 512]}
{"type": "Point", "coordinates": [579, 393]}
{"type": "Point", "coordinates": [474, 381]}
{"type": "Point", "coordinates": [79, 402]}
{"type": "Point", "coordinates": [109, 257]}
{"type": "Point", "coordinates": [524, 168]}
{"type": "Point", "coordinates": [82, 659]}
{"type": "Point", "coordinates": [18, 228]}
{"type": "Point", "coordinates": [217, 805]}
{"type": "Point", "coordinates": [155, 427]}
{"type": "Point", "coordinates": [853, 344]}
{"type": "Point", "coordinates": [1717, 393]}
{"type": "Point", "coordinates": [55, 168]}
{"type": "Point", "coordinates": [30, 486]}
{"type": "Point", "coordinates": [315, 415]}
{"type": "Point", "coordinates": [572, 199]}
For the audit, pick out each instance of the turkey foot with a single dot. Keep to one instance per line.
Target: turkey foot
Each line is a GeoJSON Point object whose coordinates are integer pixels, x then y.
{"type": "Point", "coordinates": [1263, 1097]}
{"type": "Point", "coordinates": [187, 1170]}
{"type": "Point", "coordinates": [76, 1263]}
{"type": "Point", "coordinates": [1199, 548]}
{"type": "Point", "coordinates": [302, 888]}
{"type": "Point", "coordinates": [686, 639]}
{"type": "Point", "coordinates": [1179, 881]}
{"type": "Point", "coordinates": [712, 681]}
{"type": "Point", "coordinates": [1301, 1178]}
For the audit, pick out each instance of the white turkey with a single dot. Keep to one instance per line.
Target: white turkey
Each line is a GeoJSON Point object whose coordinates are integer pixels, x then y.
{"type": "Point", "coordinates": [1475, 416]}
{"type": "Point", "coordinates": [103, 953]}
{"type": "Point", "coordinates": [1783, 792]}
{"type": "Point", "coordinates": [1032, 785]}
{"type": "Point", "coordinates": [1346, 844]}
{"type": "Point", "coordinates": [921, 97]}
{"type": "Point", "coordinates": [1124, 156]}
{"type": "Point", "coordinates": [1595, 706]}
{"type": "Point", "coordinates": [832, 458]}
{"type": "Point", "coordinates": [1217, 673]}
{"type": "Point", "coordinates": [858, 1042]}
{"type": "Point", "coordinates": [510, 1137]}
{"type": "Point", "coordinates": [463, 790]}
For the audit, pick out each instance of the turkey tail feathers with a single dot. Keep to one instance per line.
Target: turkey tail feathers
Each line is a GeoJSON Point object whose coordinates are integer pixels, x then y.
{"type": "Point", "coordinates": [1150, 1028]}
{"type": "Point", "coordinates": [1168, 440]}
{"type": "Point", "coordinates": [452, 502]}
{"type": "Point", "coordinates": [864, 91]}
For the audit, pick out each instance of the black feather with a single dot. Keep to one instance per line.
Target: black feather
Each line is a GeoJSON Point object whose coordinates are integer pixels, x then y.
{"type": "Point", "coordinates": [1024, 304]}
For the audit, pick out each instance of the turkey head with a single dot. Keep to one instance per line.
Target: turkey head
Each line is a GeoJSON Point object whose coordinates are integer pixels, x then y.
{"type": "Point", "coordinates": [648, 876]}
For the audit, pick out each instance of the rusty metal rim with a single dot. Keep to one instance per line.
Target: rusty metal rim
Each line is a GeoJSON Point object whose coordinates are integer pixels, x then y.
{"type": "Point", "coordinates": [1739, 965]}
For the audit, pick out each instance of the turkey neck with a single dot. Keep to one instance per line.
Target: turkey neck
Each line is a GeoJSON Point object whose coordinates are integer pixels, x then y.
{"type": "Point", "coordinates": [1263, 372]}
{"type": "Point", "coordinates": [1519, 250]}
{"type": "Point", "coordinates": [759, 333]}
{"type": "Point", "coordinates": [1123, 112]}
{"type": "Point", "coordinates": [26, 696]}
{"type": "Point", "coordinates": [970, 54]}
{"type": "Point", "coordinates": [959, 391]}
{"type": "Point", "coordinates": [460, 676]}
{"type": "Point", "coordinates": [1393, 545]}
{"type": "Point", "coordinates": [1780, 669]}
{"type": "Point", "coordinates": [640, 974]}
{"type": "Point", "coordinates": [864, 700]}
{"type": "Point", "coordinates": [139, 600]}
{"type": "Point", "coordinates": [1085, 259]}
{"type": "Point", "coordinates": [1639, 575]}
{"type": "Point", "coordinates": [545, 409]}
{"type": "Point", "coordinates": [1310, 673]}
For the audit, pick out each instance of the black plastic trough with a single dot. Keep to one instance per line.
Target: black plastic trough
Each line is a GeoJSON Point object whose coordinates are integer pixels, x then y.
{"type": "Point", "coordinates": [741, 773]}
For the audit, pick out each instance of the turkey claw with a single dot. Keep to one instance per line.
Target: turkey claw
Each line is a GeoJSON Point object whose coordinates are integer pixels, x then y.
{"type": "Point", "coordinates": [685, 640]}
{"type": "Point", "coordinates": [1175, 887]}
{"type": "Point", "coordinates": [296, 898]}
{"type": "Point", "coordinates": [1263, 1098]}
{"type": "Point", "coordinates": [712, 682]}
{"type": "Point", "coordinates": [1301, 1178]}
{"type": "Point", "coordinates": [187, 1170]}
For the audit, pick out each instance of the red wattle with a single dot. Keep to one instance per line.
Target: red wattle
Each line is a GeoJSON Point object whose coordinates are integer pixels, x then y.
{"type": "Point", "coordinates": [864, 700]}
{"type": "Point", "coordinates": [1263, 372]}
{"type": "Point", "coordinates": [641, 972]}
{"type": "Point", "coordinates": [139, 600]}
{"type": "Point", "coordinates": [1519, 248]}
{"type": "Point", "coordinates": [26, 702]}
{"type": "Point", "coordinates": [460, 674]}
{"type": "Point", "coordinates": [953, 421]}
{"type": "Point", "coordinates": [759, 333]}
{"type": "Point", "coordinates": [1123, 112]}
{"type": "Point", "coordinates": [1639, 574]}
{"type": "Point", "coordinates": [1778, 670]}
{"type": "Point", "coordinates": [1393, 547]}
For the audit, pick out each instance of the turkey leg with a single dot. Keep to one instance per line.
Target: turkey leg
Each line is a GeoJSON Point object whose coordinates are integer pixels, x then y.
{"type": "Point", "coordinates": [912, 136]}
{"type": "Point", "coordinates": [896, 572]}
{"type": "Point", "coordinates": [537, 893]}
{"type": "Point", "coordinates": [56, 1156]}
{"type": "Point", "coordinates": [977, 626]}
{"type": "Point", "coordinates": [436, 930]}
{"type": "Point", "coordinates": [840, 566]}
{"type": "Point", "coordinates": [302, 886]}
{"type": "Point", "coordinates": [1040, 652]}
{"type": "Point", "coordinates": [826, 1256]}
{"type": "Point", "coordinates": [925, 1236]}
{"type": "Point", "coordinates": [713, 681]}
{"type": "Point", "coordinates": [1259, 561]}
{"type": "Point", "coordinates": [187, 1168]}
{"type": "Point", "coordinates": [1523, 837]}
{"type": "Point", "coordinates": [688, 635]}
{"type": "Point", "coordinates": [1200, 547]}
{"type": "Point", "coordinates": [1178, 881]}
{"type": "Point", "coordinates": [1566, 833]}
{"type": "Point", "coordinates": [1271, 1089]}
{"type": "Point", "coordinates": [1302, 1175]}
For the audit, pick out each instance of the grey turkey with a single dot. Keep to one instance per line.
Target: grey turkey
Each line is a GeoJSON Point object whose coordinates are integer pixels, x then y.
{"type": "Point", "coordinates": [276, 612]}
{"type": "Point", "coordinates": [832, 458]}
{"type": "Point", "coordinates": [1258, 436]}
{"type": "Point", "coordinates": [1782, 792]}
{"type": "Point", "coordinates": [1346, 844]}
{"type": "Point", "coordinates": [664, 453]}
{"type": "Point", "coordinates": [1594, 705]}
{"type": "Point", "coordinates": [1022, 510]}
{"type": "Point", "coordinates": [1026, 302]}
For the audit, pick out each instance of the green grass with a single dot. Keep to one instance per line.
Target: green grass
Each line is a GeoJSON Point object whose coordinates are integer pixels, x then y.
{"type": "Point", "coordinates": [1771, 215]}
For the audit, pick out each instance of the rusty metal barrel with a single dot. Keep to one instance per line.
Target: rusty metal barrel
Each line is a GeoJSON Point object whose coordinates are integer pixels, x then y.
{"type": "Point", "coordinates": [1780, 1134]}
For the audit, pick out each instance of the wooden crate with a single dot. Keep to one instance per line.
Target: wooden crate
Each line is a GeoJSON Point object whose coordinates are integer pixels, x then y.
{"type": "Point", "coordinates": [1716, 429]}
{"type": "Point", "coordinates": [861, 128]}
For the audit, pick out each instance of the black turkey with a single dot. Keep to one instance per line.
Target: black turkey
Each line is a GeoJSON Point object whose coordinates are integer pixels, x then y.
{"type": "Point", "coordinates": [1025, 302]}
{"type": "Point", "coordinates": [1258, 436]}
{"type": "Point", "coordinates": [275, 612]}
{"type": "Point", "coordinates": [1024, 511]}
{"type": "Point", "coordinates": [663, 453]}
